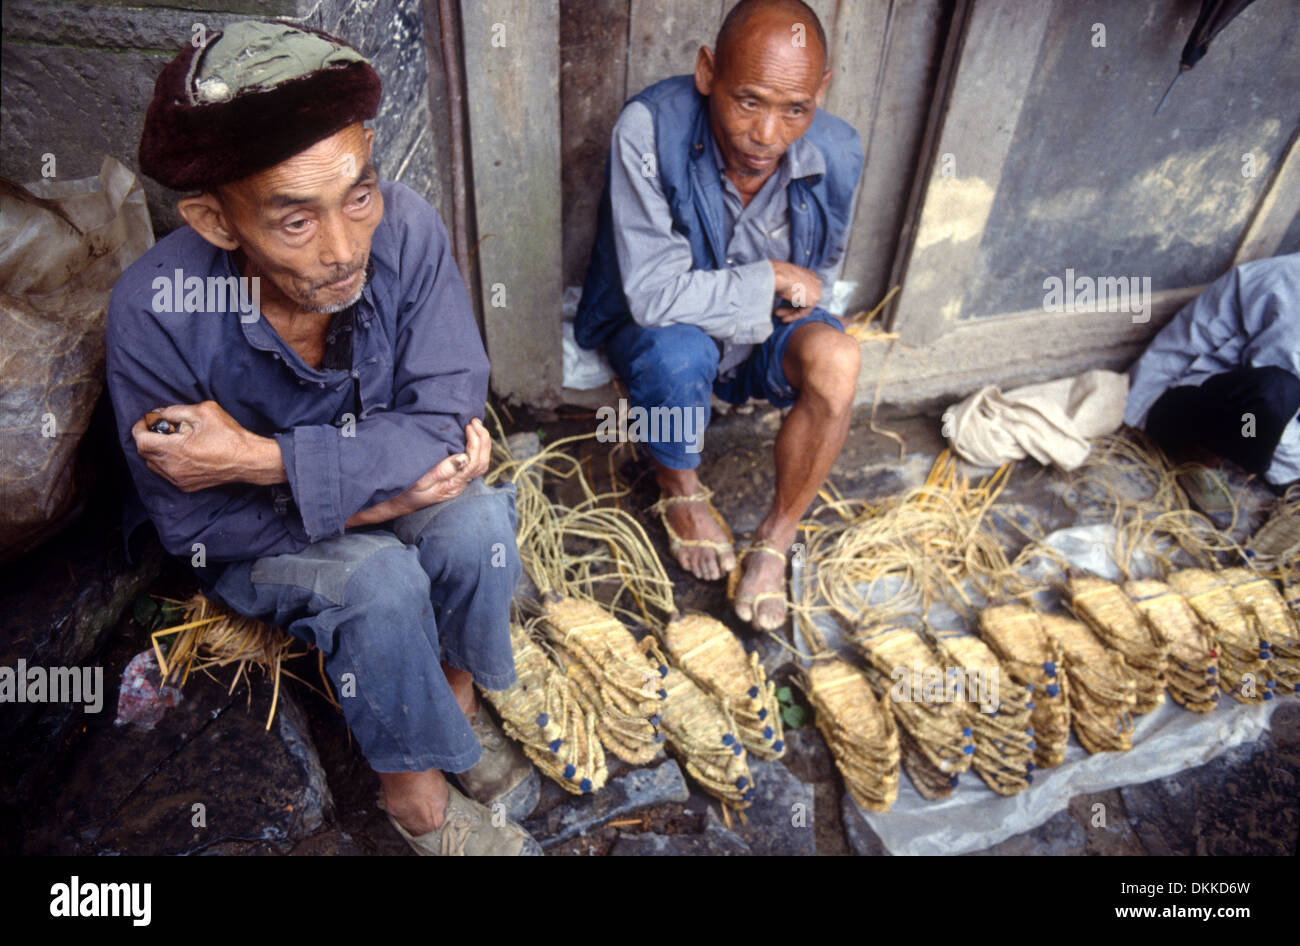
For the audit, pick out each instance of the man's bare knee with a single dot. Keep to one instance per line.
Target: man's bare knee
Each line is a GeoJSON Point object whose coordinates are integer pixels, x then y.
{"type": "Point", "coordinates": [830, 367]}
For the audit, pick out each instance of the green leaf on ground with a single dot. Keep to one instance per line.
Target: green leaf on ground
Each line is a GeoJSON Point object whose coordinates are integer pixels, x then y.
{"type": "Point", "coordinates": [171, 614]}
{"type": "Point", "coordinates": [792, 716]}
{"type": "Point", "coordinates": [145, 612]}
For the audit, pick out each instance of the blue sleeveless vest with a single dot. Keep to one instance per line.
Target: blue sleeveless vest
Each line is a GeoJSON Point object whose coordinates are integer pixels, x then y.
{"type": "Point", "coordinates": [820, 205]}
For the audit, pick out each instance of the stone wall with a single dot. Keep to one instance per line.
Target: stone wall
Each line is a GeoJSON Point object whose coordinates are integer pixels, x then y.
{"type": "Point", "coordinates": [77, 77]}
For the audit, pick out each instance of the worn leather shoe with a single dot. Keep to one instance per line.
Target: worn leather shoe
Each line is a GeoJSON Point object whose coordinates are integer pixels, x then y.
{"type": "Point", "coordinates": [471, 830]}
{"type": "Point", "coordinates": [503, 775]}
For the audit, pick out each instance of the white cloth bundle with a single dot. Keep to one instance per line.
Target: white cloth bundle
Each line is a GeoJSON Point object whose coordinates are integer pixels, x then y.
{"type": "Point", "coordinates": [1050, 422]}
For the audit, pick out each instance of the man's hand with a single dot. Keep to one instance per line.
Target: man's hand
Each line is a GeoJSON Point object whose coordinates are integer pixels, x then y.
{"type": "Point", "coordinates": [207, 448]}
{"type": "Point", "coordinates": [800, 286]}
{"type": "Point", "coordinates": [445, 481]}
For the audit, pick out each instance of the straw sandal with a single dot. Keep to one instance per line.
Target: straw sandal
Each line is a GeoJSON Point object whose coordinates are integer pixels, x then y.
{"type": "Point", "coordinates": [469, 830]}
{"type": "Point", "coordinates": [1121, 626]}
{"type": "Point", "coordinates": [1242, 661]}
{"type": "Point", "coordinates": [708, 652]}
{"type": "Point", "coordinates": [1191, 673]}
{"type": "Point", "coordinates": [1015, 633]}
{"type": "Point", "coordinates": [702, 733]}
{"type": "Point", "coordinates": [768, 547]}
{"type": "Point", "coordinates": [615, 681]}
{"type": "Point", "coordinates": [676, 543]}
{"type": "Point", "coordinates": [541, 711]}
{"type": "Point", "coordinates": [1003, 734]}
{"type": "Point", "coordinates": [1278, 539]}
{"type": "Point", "coordinates": [859, 729]}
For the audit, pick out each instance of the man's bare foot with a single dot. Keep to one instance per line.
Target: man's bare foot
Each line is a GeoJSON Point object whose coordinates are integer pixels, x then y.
{"type": "Point", "coordinates": [418, 800]}
{"type": "Point", "coordinates": [763, 575]}
{"type": "Point", "coordinates": [693, 522]}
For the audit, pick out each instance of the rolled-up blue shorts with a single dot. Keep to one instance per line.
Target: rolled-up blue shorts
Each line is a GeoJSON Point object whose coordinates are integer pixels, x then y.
{"type": "Point", "coordinates": [387, 605]}
{"type": "Point", "coordinates": [675, 367]}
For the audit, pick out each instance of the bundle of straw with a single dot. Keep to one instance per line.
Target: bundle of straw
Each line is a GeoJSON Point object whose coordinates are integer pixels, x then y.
{"type": "Point", "coordinates": [211, 635]}
{"type": "Point", "coordinates": [1192, 672]}
{"type": "Point", "coordinates": [616, 680]}
{"type": "Point", "coordinates": [1016, 635]}
{"type": "Point", "coordinates": [877, 562]}
{"type": "Point", "coordinates": [1004, 738]}
{"type": "Point", "coordinates": [1104, 607]}
{"type": "Point", "coordinates": [712, 656]}
{"type": "Point", "coordinates": [1278, 635]}
{"type": "Point", "coordinates": [543, 712]}
{"type": "Point", "coordinates": [592, 549]}
{"type": "Point", "coordinates": [858, 729]}
{"type": "Point", "coordinates": [1103, 689]}
{"type": "Point", "coordinates": [941, 744]}
{"type": "Point", "coordinates": [702, 735]}
{"type": "Point", "coordinates": [1242, 671]}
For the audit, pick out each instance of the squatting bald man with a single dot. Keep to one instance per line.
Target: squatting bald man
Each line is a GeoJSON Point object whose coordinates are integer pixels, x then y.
{"type": "Point", "coordinates": [727, 205]}
{"type": "Point", "coordinates": [308, 341]}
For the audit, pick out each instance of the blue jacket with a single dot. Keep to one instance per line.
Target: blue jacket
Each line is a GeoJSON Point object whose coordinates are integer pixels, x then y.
{"type": "Point", "coordinates": [350, 438]}
{"type": "Point", "coordinates": [820, 206]}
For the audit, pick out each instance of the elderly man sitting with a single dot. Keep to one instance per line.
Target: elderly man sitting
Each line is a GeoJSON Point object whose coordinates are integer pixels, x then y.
{"type": "Point", "coordinates": [309, 344]}
{"type": "Point", "coordinates": [726, 209]}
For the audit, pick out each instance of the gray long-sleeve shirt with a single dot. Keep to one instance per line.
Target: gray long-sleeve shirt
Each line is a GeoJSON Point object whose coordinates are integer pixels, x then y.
{"type": "Point", "coordinates": [733, 305]}
{"type": "Point", "coordinates": [350, 437]}
{"type": "Point", "coordinates": [1249, 317]}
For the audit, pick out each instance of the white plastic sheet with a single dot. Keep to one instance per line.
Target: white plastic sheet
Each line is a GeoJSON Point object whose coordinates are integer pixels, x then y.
{"type": "Point", "coordinates": [1165, 742]}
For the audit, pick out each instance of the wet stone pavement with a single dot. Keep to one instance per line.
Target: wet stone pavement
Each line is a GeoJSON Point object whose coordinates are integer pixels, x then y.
{"type": "Point", "coordinates": [212, 779]}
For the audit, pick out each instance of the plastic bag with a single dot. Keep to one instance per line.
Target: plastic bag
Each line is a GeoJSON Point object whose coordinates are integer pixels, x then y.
{"type": "Point", "coordinates": [63, 245]}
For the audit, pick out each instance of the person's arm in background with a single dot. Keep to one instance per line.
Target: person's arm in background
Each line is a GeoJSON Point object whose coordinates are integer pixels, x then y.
{"type": "Point", "coordinates": [1202, 339]}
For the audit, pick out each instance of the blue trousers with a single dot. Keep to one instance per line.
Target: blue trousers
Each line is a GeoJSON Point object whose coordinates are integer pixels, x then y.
{"type": "Point", "coordinates": [675, 367]}
{"type": "Point", "coordinates": [386, 606]}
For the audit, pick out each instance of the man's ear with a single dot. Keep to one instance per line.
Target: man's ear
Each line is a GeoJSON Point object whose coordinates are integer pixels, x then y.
{"type": "Point", "coordinates": [704, 66]}
{"type": "Point", "coordinates": [208, 218]}
{"type": "Point", "coordinates": [821, 89]}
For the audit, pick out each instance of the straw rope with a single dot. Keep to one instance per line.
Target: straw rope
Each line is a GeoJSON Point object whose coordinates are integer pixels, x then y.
{"type": "Point", "coordinates": [211, 636]}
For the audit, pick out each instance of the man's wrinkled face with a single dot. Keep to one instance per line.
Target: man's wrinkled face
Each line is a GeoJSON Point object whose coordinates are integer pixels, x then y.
{"type": "Point", "coordinates": [306, 224]}
{"type": "Point", "coordinates": [763, 97]}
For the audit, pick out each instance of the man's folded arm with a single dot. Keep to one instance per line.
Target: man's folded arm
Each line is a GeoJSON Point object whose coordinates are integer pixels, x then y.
{"type": "Point", "coordinates": [440, 384]}
{"type": "Point", "coordinates": [659, 281]}
{"type": "Point", "coordinates": [231, 522]}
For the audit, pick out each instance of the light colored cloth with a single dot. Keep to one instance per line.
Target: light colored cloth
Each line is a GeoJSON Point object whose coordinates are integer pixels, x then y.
{"type": "Point", "coordinates": [1050, 422]}
{"type": "Point", "coordinates": [1248, 318]}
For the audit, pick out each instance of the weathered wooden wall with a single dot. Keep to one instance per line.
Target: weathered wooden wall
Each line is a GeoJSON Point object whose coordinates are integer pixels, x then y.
{"type": "Point", "coordinates": [511, 52]}
{"type": "Point", "coordinates": [1057, 159]}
